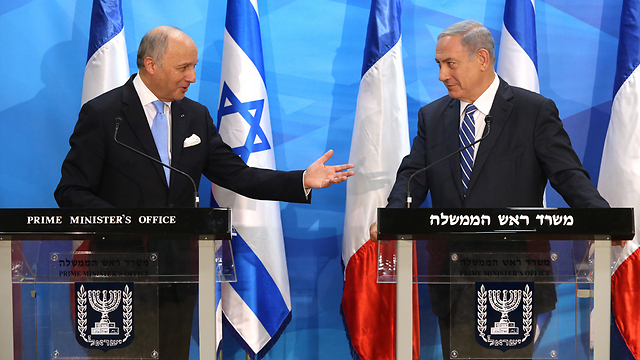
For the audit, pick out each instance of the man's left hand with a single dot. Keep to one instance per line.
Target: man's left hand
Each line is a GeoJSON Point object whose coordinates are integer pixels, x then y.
{"type": "Point", "coordinates": [319, 175]}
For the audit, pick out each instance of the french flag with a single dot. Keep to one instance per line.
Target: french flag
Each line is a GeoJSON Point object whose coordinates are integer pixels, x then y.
{"type": "Point", "coordinates": [379, 142]}
{"type": "Point", "coordinates": [107, 63]}
{"type": "Point", "coordinates": [619, 180]}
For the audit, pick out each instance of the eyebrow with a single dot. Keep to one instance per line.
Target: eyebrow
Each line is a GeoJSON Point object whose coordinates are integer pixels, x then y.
{"type": "Point", "coordinates": [187, 63]}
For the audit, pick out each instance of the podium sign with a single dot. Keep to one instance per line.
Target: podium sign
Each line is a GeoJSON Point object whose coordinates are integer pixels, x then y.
{"type": "Point", "coordinates": [88, 283]}
{"type": "Point", "coordinates": [508, 283]}
{"type": "Point", "coordinates": [114, 301]}
{"type": "Point", "coordinates": [496, 300]}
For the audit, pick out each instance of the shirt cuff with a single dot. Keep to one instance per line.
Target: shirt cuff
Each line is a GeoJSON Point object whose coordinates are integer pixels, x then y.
{"type": "Point", "coordinates": [307, 190]}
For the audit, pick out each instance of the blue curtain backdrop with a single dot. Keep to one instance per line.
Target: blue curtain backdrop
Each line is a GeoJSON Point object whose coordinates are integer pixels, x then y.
{"type": "Point", "coordinates": [313, 53]}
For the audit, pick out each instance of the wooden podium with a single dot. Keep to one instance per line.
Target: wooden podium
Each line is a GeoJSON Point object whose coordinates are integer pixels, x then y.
{"type": "Point", "coordinates": [410, 227]}
{"type": "Point", "coordinates": [19, 271]}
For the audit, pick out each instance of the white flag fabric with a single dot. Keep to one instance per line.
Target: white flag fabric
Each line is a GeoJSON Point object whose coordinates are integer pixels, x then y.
{"type": "Point", "coordinates": [258, 305]}
{"type": "Point", "coordinates": [518, 55]}
{"type": "Point", "coordinates": [619, 180]}
{"type": "Point", "coordinates": [107, 63]}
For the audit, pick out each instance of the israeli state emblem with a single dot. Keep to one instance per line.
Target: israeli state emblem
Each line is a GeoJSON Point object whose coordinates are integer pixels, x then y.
{"type": "Point", "coordinates": [104, 315]}
{"type": "Point", "coordinates": [504, 314]}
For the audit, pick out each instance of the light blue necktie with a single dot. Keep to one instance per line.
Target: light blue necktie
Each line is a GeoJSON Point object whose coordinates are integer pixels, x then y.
{"type": "Point", "coordinates": [467, 136]}
{"type": "Point", "coordinates": [160, 131]}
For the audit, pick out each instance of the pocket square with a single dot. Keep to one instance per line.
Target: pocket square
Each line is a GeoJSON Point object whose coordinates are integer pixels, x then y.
{"type": "Point", "coordinates": [191, 141]}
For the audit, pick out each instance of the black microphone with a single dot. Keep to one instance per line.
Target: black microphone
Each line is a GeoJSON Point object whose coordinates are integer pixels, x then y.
{"type": "Point", "coordinates": [487, 121]}
{"type": "Point", "coordinates": [195, 188]}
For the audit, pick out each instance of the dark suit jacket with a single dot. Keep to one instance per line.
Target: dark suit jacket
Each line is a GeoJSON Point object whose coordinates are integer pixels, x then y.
{"type": "Point", "coordinates": [526, 147]}
{"type": "Point", "coordinates": [97, 172]}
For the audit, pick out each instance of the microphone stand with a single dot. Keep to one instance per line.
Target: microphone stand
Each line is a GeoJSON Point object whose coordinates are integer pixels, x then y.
{"type": "Point", "coordinates": [488, 119]}
{"type": "Point", "coordinates": [195, 188]}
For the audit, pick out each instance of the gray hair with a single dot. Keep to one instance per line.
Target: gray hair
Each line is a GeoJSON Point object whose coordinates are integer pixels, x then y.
{"type": "Point", "coordinates": [154, 45]}
{"type": "Point", "coordinates": [473, 36]}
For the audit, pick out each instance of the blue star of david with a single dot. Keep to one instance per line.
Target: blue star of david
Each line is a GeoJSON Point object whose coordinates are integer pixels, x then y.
{"type": "Point", "coordinates": [256, 139]}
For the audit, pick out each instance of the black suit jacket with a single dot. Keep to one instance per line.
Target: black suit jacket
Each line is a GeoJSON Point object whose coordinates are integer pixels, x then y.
{"type": "Point", "coordinates": [527, 146]}
{"type": "Point", "coordinates": [97, 172]}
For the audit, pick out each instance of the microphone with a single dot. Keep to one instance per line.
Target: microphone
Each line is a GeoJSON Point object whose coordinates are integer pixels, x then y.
{"type": "Point", "coordinates": [195, 188]}
{"type": "Point", "coordinates": [488, 119]}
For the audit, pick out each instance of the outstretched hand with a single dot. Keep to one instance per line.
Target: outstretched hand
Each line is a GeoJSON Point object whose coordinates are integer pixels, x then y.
{"type": "Point", "coordinates": [319, 175]}
{"type": "Point", "coordinates": [373, 232]}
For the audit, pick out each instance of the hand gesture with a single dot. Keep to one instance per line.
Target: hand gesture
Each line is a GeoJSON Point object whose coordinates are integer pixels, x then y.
{"type": "Point", "coordinates": [319, 175]}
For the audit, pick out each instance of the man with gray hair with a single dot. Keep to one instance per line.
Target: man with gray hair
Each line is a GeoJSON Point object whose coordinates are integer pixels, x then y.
{"type": "Point", "coordinates": [525, 147]}
{"type": "Point", "coordinates": [155, 117]}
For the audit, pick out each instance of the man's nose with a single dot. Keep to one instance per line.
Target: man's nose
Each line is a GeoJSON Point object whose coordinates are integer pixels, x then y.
{"type": "Point", "coordinates": [191, 76]}
{"type": "Point", "coordinates": [443, 74]}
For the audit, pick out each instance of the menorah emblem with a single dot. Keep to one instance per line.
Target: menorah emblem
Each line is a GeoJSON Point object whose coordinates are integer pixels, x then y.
{"type": "Point", "coordinates": [505, 298]}
{"type": "Point", "coordinates": [509, 301]}
{"type": "Point", "coordinates": [108, 302]}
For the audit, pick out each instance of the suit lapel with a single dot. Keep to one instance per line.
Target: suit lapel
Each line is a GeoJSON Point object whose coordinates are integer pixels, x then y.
{"type": "Point", "coordinates": [451, 133]}
{"type": "Point", "coordinates": [500, 111]}
{"type": "Point", "coordinates": [178, 128]}
{"type": "Point", "coordinates": [135, 116]}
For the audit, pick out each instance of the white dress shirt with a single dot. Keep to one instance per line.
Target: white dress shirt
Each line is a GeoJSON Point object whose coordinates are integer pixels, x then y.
{"type": "Point", "coordinates": [483, 104]}
{"type": "Point", "coordinates": [147, 98]}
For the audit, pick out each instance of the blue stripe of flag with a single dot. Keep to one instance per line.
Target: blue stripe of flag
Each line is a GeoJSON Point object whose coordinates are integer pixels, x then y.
{"type": "Point", "coordinates": [629, 43]}
{"type": "Point", "coordinates": [106, 23]}
{"type": "Point", "coordinates": [246, 33]}
{"type": "Point", "coordinates": [383, 31]}
{"type": "Point", "coordinates": [257, 288]}
{"type": "Point", "coordinates": [254, 280]}
{"type": "Point", "coordinates": [520, 21]}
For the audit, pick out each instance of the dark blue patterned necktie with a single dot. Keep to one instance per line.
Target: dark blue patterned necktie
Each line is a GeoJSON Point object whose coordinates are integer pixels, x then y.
{"type": "Point", "coordinates": [467, 136]}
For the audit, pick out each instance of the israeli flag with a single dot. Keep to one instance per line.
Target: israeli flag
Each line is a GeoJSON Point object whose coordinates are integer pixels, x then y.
{"type": "Point", "coordinates": [107, 64]}
{"type": "Point", "coordinates": [258, 305]}
{"type": "Point", "coordinates": [518, 56]}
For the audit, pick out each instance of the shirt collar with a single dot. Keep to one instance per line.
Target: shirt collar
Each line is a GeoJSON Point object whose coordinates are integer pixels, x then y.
{"type": "Point", "coordinates": [485, 101]}
{"type": "Point", "coordinates": [145, 95]}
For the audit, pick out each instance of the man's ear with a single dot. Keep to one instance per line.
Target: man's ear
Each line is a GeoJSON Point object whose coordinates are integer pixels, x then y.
{"type": "Point", "coordinates": [150, 65]}
{"type": "Point", "coordinates": [483, 59]}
